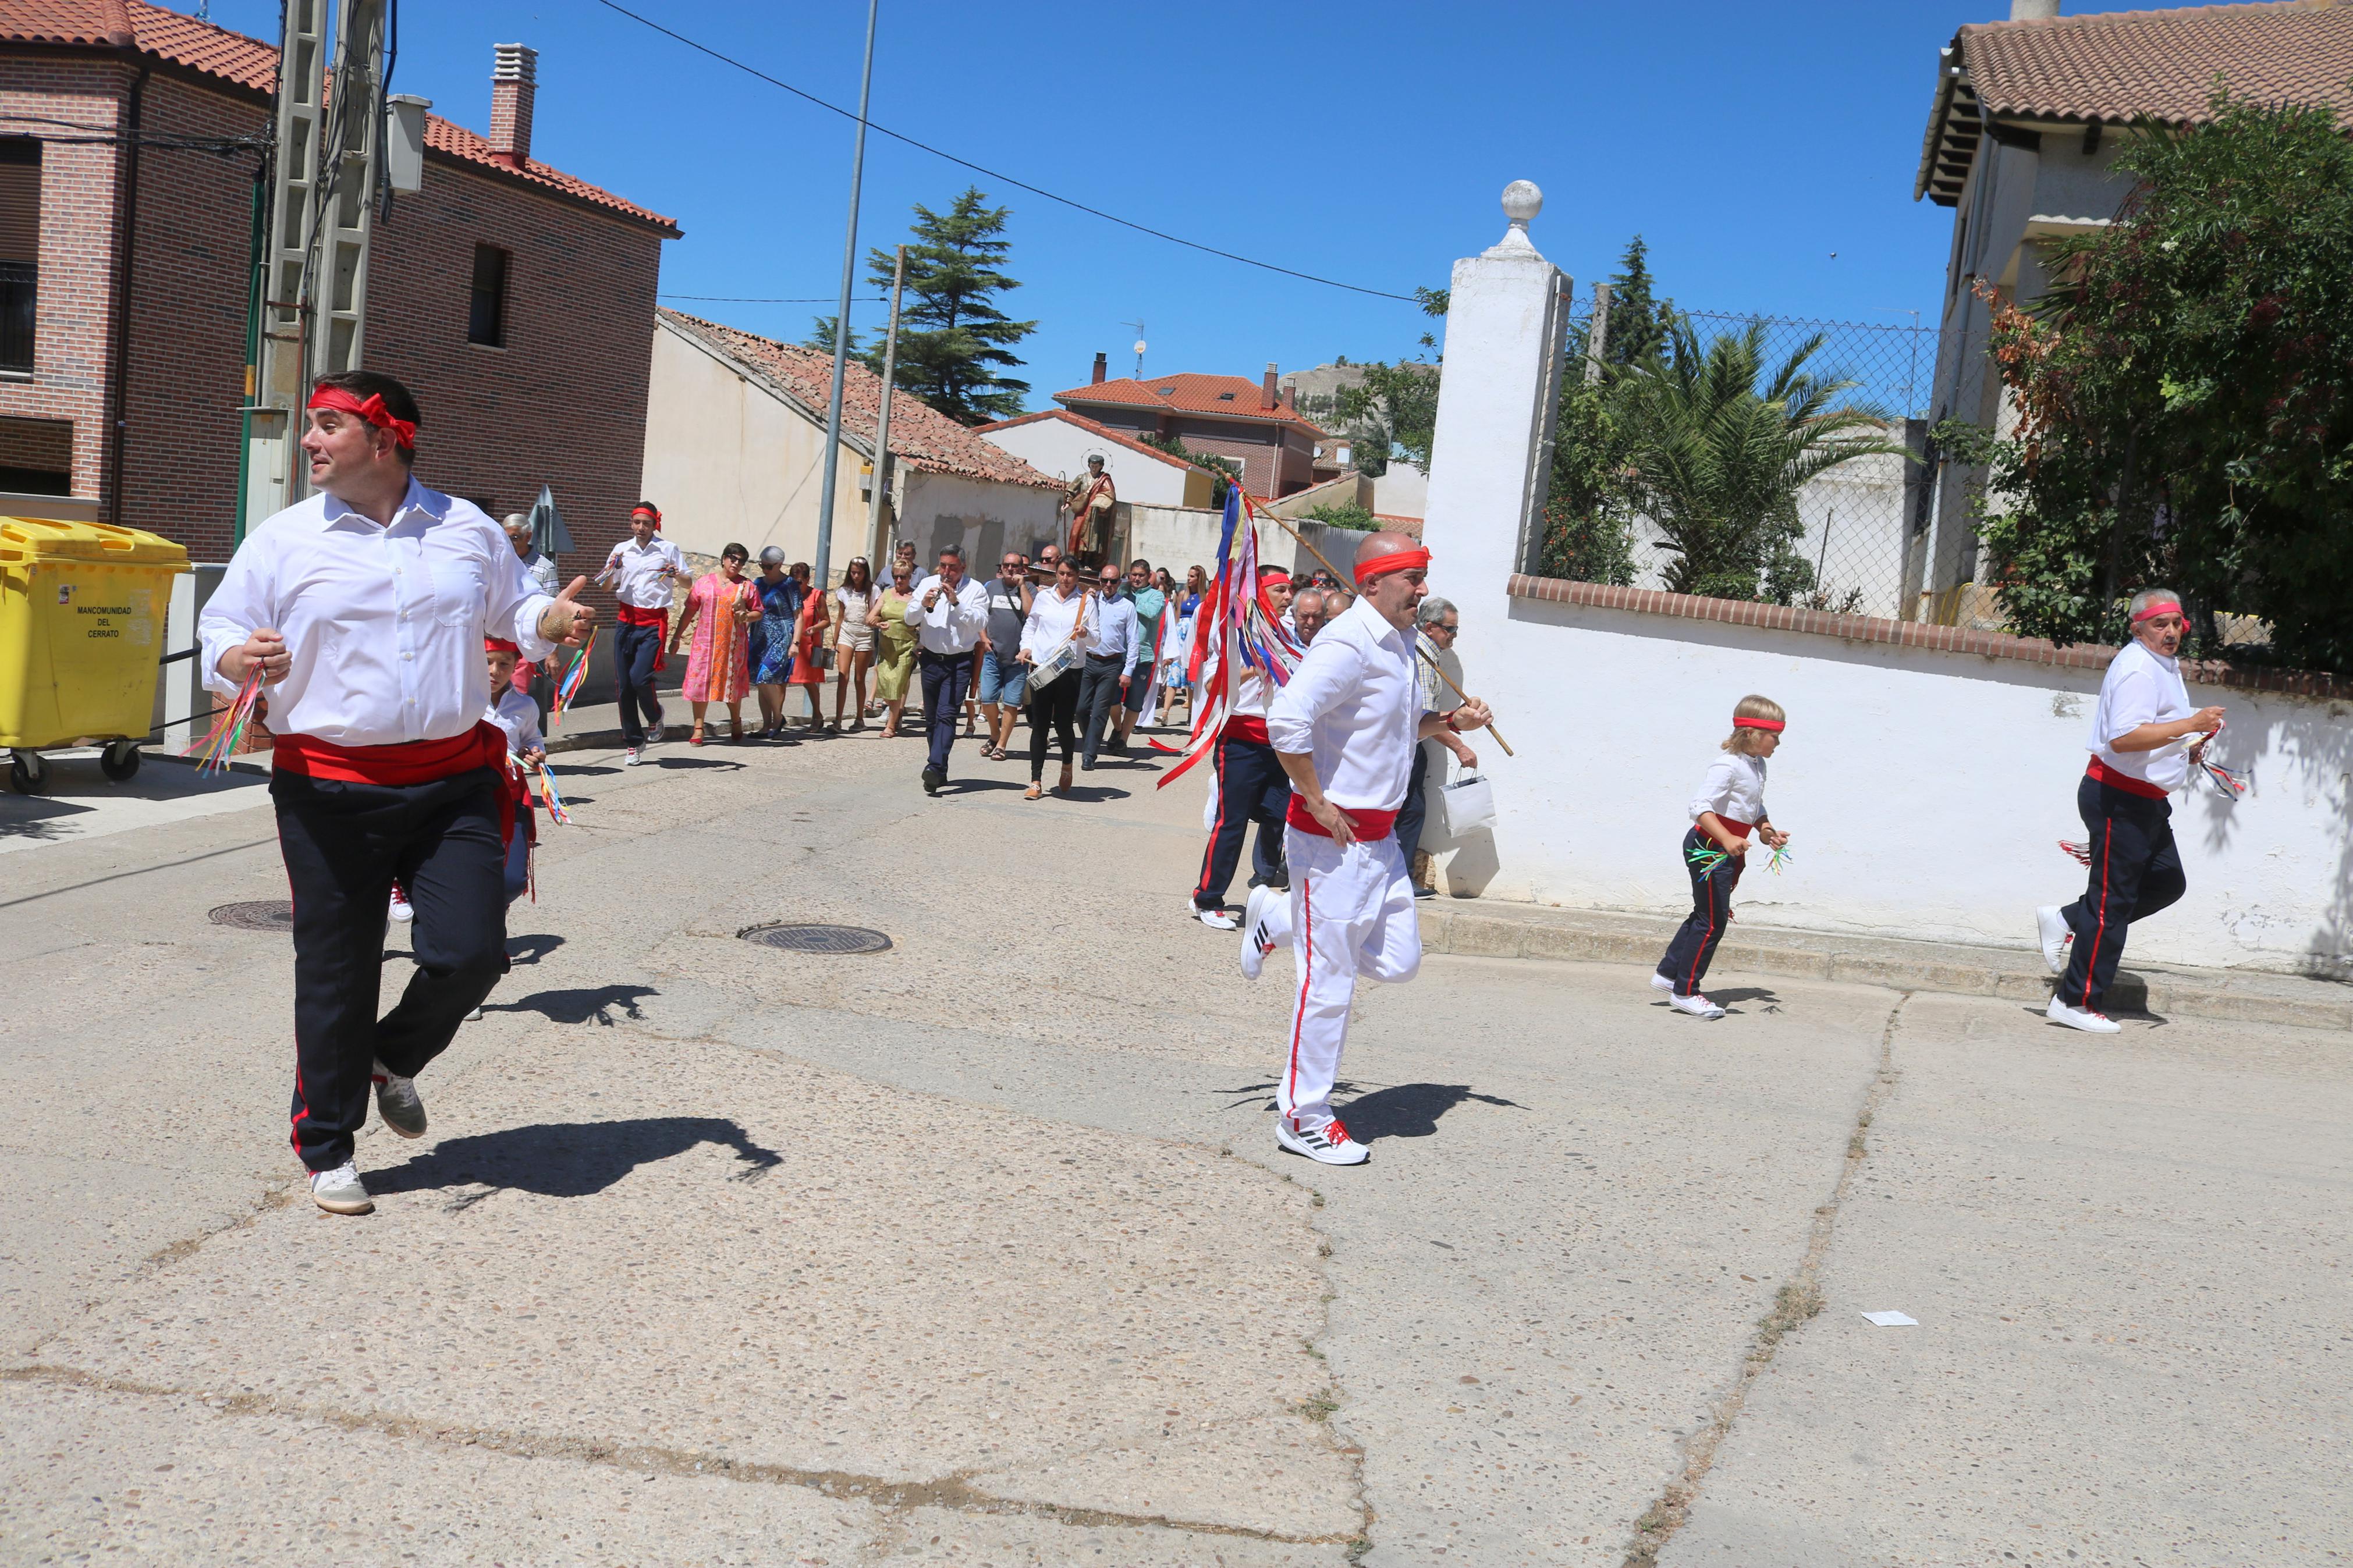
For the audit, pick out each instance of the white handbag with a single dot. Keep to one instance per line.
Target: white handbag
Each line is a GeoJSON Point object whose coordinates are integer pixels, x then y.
{"type": "Point", "coordinates": [1466, 806]}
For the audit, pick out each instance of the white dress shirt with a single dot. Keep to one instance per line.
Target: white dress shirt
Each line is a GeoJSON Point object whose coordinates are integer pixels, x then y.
{"type": "Point", "coordinates": [953, 624]}
{"type": "Point", "coordinates": [1733, 789]}
{"type": "Point", "coordinates": [1353, 706]}
{"type": "Point", "coordinates": [384, 626]}
{"type": "Point", "coordinates": [640, 568]}
{"type": "Point", "coordinates": [1054, 621]}
{"type": "Point", "coordinates": [1116, 632]}
{"type": "Point", "coordinates": [2142, 687]}
{"type": "Point", "coordinates": [518, 715]}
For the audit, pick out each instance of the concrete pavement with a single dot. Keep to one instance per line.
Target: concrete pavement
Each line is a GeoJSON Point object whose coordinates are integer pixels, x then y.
{"type": "Point", "coordinates": [977, 1250]}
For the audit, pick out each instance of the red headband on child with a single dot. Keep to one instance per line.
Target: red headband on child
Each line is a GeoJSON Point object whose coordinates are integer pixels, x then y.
{"type": "Point", "coordinates": [2162, 607]}
{"type": "Point", "coordinates": [1403, 561]}
{"type": "Point", "coordinates": [1775, 725]}
{"type": "Point", "coordinates": [403, 431]}
{"type": "Point", "coordinates": [498, 645]}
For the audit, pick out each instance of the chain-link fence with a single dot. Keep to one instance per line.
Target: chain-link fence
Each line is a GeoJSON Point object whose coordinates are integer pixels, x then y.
{"type": "Point", "coordinates": [1721, 517]}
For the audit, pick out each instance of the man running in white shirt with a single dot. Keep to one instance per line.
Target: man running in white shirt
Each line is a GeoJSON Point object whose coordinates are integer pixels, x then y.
{"type": "Point", "coordinates": [363, 609]}
{"type": "Point", "coordinates": [2137, 759]}
{"type": "Point", "coordinates": [641, 569]}
{"type": "Point", "coordinates": [1344, 728]}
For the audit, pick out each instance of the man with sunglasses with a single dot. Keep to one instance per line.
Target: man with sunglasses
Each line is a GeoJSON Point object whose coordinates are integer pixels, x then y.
{"type": "Point", "coordinates": [1439, 623]}
{"type": "Point", "coordinates": [2138, 757]}
{"type": "Point", "coordinates": [1111, 662]}
{"type": "Point", "coordinates": [1004, 679]}
{"type": "Point", "coordinates": [1344, 728]}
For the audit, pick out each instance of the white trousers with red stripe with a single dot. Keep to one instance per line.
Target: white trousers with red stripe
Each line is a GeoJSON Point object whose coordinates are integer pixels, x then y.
{"type": "Point", "coordinates": [1350, 913]}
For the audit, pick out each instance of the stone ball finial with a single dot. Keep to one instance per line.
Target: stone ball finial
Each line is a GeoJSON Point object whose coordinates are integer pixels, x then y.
{"type": "Point", "coordinates": [1522, 201]}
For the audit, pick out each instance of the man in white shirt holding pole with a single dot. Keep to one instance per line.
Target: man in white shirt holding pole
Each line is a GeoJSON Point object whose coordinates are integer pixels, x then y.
{"type": "Point", "coordinates": [949, 612]}
{"type": "Point", "coordinates": [1344, 728]}
{"type": "Point", "coordinates": [2137, 758]}
{"type": "Point", "coordinates": [363, 612]}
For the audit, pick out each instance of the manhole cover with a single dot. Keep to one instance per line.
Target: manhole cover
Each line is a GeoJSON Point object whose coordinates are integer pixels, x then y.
{"type": "Point", "coordinates": [270, 914]}
{"type": "Point", "coordinates": [817, 939]}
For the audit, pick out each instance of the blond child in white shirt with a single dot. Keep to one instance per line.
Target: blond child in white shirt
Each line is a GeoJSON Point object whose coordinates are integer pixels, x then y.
{"type": "Point", "coordinates": [1728, 809]}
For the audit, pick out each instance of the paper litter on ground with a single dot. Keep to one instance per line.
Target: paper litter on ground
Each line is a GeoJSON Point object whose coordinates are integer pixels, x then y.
{"type": "Point", "coordinates": [1891, 1319]}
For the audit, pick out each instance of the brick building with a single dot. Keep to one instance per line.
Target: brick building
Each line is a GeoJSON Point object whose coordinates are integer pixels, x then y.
{"type": "Point", "coordinates": [1254, 423]}
{"type": "Point", "coordinates": [512, 296]}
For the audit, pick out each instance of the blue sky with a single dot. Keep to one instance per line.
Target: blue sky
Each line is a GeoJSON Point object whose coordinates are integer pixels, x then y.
{"type": "Point", "coordinates": [1765, 152]}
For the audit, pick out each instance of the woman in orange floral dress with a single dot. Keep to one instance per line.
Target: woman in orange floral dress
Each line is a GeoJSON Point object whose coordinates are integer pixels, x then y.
{"type": "Point", "coordinates": [719, 610]}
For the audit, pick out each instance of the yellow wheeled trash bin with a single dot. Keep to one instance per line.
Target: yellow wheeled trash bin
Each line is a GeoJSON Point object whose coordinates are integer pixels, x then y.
{"type": "Point", "coordinates": [82, 630]}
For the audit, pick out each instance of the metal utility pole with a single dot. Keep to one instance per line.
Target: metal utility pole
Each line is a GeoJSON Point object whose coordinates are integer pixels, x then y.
{"type": "Point", "coordinates": [842, 324]}
{"type": "Point", "coordinates": [883, 420]}
{"type": "Point", "coordinates": [319, 219]}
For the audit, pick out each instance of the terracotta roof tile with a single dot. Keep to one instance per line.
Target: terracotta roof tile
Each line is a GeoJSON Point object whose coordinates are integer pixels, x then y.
{"type": "Point", "coordinates": [1226, 396]}
{"type": "Point", "coordinates": [252, 65]}
{"type": "Point", "coordinates": [2124, 64]}
{"type": "Point", "coordinates": [920, 437]}
{"type": "Point", "coordinates": [1100, 431]}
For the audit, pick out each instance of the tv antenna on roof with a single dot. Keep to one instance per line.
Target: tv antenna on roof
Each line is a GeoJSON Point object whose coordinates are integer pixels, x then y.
{"type": "Point", "coordinates": [1139, 346]}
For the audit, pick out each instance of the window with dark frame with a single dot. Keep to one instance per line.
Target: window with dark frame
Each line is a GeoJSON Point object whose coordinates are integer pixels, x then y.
{"type": "Point", "coordinates": [486, 315]}
{"type": "Point", "coordinates": [20, 250]}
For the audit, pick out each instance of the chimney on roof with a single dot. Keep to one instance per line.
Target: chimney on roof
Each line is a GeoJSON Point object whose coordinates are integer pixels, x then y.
{"type": "Point", "coordinates": [1290, 400]}
{"type": "Point", "coordinates": [1266, 388]}
{"type": "Point", "coordinates": [514, 83]}
{"type": "Point", "coordinates": [2033, 10]}
{"type": "Point", "coordinates": [1101, 360]}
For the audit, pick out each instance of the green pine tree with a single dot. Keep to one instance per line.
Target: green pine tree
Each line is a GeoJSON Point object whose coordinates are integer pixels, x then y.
{"type": "Point", "coordinates": [1638, 322]}
{"type": "Point", "coordinates": [821, 337]}
{"type": "Point", "coordinates": [954, 344]}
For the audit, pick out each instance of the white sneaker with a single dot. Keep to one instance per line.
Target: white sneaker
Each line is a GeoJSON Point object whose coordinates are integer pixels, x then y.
{"type": "Point", "coordinates": [657, 732]}
{"type": "Point", "coordinates": [402, 909]}
{"type": "Point", "coordinates": [475, 1016]}
{"type": "Point", "coordinates": [1697, 1006]}
{"type": "Point", "coordinates": [341, 1191]}
{"type": "Point", "coordinates": [1660, 982]}
{"type": "Point", "coordinates": [1257, 941]}
{"type": "Point", "coordinates": [2055, 934]}
{"type": "Point", "coordinates": [1217, 920]}
{"type": "Point", "coordinates": [2082, 1018]}
{"type": "Point", "coordinates": [397, 1102]}
{"type": "Point", "coordinates": [630, 757]}
{"type": "Point", "coordinates": [1327, 1142]}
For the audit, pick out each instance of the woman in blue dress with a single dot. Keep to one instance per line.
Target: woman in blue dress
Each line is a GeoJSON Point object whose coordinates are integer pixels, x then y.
{"type": "Point", "coordinates": [771, 649]}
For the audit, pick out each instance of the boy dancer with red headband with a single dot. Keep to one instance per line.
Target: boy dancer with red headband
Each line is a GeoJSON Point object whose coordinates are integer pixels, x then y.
{"type": "Point", "coordinates": [1344, 728]}
{"type": "Point", "coordinates": [2137, 759]}
{"type": "Point", "coordinates": [1729, 807]}
{"type": "Point", "coordinates": [641, 571]}
{"type": "Point", "coordinates": [1251, 784]}
{"type": "Point", "coordinates": [362, 612]}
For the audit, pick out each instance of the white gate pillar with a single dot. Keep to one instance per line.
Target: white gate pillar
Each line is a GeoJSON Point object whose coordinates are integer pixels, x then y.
{"type": "Point", "coordinates": [1491, 458]}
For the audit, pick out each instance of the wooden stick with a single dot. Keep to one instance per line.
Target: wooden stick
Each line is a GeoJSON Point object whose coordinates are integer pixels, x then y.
{"type": "Point", "coordinates": [1336, 577]}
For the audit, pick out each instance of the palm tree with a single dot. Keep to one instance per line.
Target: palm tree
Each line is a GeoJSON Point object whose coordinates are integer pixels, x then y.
{"type": "Point", "coordinates": [1720, 447]}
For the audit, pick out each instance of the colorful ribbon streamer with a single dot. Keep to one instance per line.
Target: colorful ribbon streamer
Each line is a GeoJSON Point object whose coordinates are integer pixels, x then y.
{"type": "Point", "coordinates": [2230, 783]}
{"type": "Point", "coordinates": [552, 797]}
{"type": "Point", "coordinates": [229, 724]}
{"type": "Point", "coordinates": [2079, 853]}
{"type": "Point", "coordinates": [1704, 861]}
{"type": "Point", "coordinates": [1780, 858]}
{"type": "Point", "coordinates": [569, 687]}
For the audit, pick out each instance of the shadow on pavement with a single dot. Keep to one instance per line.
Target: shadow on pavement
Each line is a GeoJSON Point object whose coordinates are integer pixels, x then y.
{"type": "Point", "coordinates": [590, 1004]}
{"type": "Point", "coordinates": [1410, 1110]}
{"type": "Point", "coordinates": [532, 949]}
{"type": "Point", "coordinates": [570, 1159]}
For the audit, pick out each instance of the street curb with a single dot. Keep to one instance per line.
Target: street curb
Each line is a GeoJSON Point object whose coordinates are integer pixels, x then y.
{"type": "Point", "coordinates": [1883, 962]}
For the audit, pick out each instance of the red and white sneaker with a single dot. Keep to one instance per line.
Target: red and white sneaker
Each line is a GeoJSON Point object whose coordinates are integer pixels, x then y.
{"type": "Point", "coordinates": [2082, 1018]}
{"type": "Point", "coordinates": [1327, 1142]}
{"type": "Point", "coordinates": [2055, 936]}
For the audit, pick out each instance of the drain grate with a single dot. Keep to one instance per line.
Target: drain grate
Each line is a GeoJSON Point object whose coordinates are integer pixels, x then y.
{"type": "Point", "coordinates": [817, 938]}
{"type": "Point", "coordinates": [269, 914]}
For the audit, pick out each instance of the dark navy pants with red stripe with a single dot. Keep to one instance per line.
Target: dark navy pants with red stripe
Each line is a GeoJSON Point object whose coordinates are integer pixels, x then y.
{"type": "Point", "coordinates": [1251, 787]}
{"type": "Point", "coordinates": [344, 844]}
{"type": "Point", "coordinates": [2136, 872]}
{"type": "Point", "coordinates": [1694, 947]}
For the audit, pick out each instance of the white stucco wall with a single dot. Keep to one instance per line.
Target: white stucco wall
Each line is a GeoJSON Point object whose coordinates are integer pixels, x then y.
{"type": "Point", "coordinates": [981, 515]}
{"type": "Point", "coordinates": [1057, 447]}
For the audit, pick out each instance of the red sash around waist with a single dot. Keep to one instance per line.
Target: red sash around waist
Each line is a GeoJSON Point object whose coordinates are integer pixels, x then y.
{"type": "Point", "coordinates": [1742, 828]}
{"type": "Point", "coordinates": [1370, 825]}
{"type": "Point", "coordinates": [639, 615]}
{"type": "Point", "coordinates": [2126, 782]}
{"type": "Point", "coordinates": [412, 763]}
{"type": "Point", "coordinates": [1245, 727]}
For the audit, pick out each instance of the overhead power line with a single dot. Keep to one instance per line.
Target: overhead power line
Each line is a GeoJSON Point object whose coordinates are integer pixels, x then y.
{"type": "Point", "coordinates": [763, 299]}
{"type": "Point", "coordinates": [996, 174]}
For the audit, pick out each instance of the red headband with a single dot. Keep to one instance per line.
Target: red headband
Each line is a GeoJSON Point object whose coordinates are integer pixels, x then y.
{"type": "Point", "coordinates": [1775, 725]}
{"type": "Point", "coordinates": [498, 645]}
{"type": "Point", "coordinates": [1403, 561]}
{"type": "Point", "coordinates": [403, 431]}
{"type": "Point", "coordinates": [2162, 607]}
{"type": "Point", "coordinates": [648, 514]}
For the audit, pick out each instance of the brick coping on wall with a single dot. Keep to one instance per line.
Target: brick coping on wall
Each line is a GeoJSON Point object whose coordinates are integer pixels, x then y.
{"type": "Point", "coordinates": [1911, 634]}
